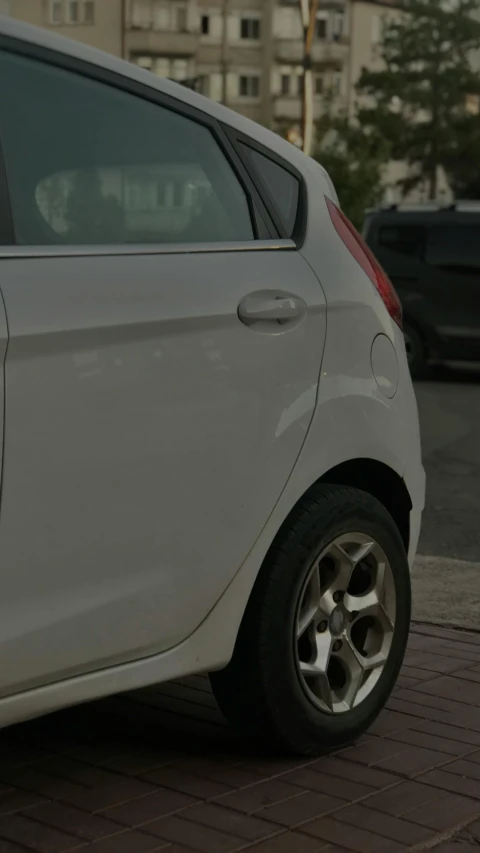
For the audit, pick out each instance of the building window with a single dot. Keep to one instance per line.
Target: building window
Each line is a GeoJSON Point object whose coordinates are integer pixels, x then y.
{"type": "Point", "coordinates": [205, 25]}
{"type": "Point", "coordinates": [142, 14]}
{"type": "Point", "coordinates": [143, 62]}
{"type": "Point", "coordinates": [172, 68]}
{"type": "Point", "coordinates": [182, 19]}
{"type": "Point", "coordinates": [72, 12]}
{"type": "Point", "coordinates": [249, 86]}
{"type": "Point", "coordinates": [285, 84]}
{"type": "Point", "coordinates": [338, 26]}
{"type": "Point", "coordinates": [88, 12]}
{"type": "Point", "coordinates": [321, 29]}
{"type": "Point", "coordinates": [319, 84]}
{"type": "Point", "coordinates": [250, 28]}
{"type": "Point", "coordinates": [56, 11]}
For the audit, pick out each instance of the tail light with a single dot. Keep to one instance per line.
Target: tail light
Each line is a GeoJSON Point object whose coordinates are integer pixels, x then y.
{"type": "Point", "coordinates": [366, 259]}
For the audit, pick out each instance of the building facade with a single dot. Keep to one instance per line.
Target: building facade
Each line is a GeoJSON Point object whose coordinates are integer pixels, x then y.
{"type": "Point", "coordinates": [97, 23]}
{"type": "Point", "coordinates": [245, 53]}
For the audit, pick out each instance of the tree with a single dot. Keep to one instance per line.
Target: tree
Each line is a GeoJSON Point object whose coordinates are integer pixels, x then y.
{"type": "Point", "coordinates": [418, 97]}
{"type": "Point", "coordinates": [355, 158]}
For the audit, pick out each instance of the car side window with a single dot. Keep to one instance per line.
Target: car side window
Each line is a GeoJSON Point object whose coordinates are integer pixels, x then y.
{"type": "Point", "coordinates": [88, 163]}
{"type": "Point", "coordinates": [281, 185]}
{"type": "Point", "coordinates": [408, 240]}
{"type": "Point", "coordinates": [454, 247]}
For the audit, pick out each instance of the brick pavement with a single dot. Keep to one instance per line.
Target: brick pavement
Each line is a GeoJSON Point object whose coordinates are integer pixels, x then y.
{"type": "Point", "coordinates": [160, 770]}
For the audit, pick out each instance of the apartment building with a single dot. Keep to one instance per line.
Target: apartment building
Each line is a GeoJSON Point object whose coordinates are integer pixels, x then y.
{"type": "Point", "coordinates": [245, 53]}
{"type": "Point", "coordinates": [97, 23]}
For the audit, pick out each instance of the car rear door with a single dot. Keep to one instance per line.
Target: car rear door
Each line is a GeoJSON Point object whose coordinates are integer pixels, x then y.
{"type": "Point", "coordinates": [161, 375]}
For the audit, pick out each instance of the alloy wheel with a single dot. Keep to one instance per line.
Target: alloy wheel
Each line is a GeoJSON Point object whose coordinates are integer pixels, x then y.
{"type": "Point", "coordinates": [345, 621]}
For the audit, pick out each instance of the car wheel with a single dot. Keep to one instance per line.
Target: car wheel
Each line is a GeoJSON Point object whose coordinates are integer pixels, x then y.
{"type": "Point", "coordinates": [416, 352]}
{"type": "Point", "coordinates": [325, 631]}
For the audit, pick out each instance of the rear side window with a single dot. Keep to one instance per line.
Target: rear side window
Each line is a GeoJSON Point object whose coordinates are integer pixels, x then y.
{"type": "Point", "coordinates": [454, 247]}
{"type": "Point", "coordinates": [408, 240]}
{"type": "Point", "coordinates": [282, 187]}
{"type": "Point", "coordinates": [89, 163]}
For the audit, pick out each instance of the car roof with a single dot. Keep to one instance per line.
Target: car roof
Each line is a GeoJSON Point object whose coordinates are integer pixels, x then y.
{"type": "Point", "coordinates": [51, 41]}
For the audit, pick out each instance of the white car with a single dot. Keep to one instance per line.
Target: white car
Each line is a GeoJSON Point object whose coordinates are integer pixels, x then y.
{"type": "Point", "coordinates": [211, 455]}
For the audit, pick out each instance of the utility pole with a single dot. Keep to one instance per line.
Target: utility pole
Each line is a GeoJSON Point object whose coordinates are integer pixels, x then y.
{"type": "Point", "coordinates": [308, 10]}
{"type": "Point", "coordinates": [224, 60]}
{"type": "Point", "coordinates": [123, 26]}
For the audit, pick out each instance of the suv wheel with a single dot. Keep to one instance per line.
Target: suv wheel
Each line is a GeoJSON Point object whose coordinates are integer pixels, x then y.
{"type": "Point", "coordinates": [416, 353]}
{"type": "Point", "coordinates": [326, 627]}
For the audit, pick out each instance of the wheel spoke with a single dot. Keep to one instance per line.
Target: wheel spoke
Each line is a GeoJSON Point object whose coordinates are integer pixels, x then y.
{"type": "Point", "coordinates": [311, 603]}
{"type": "Point", "coordinates": [345, 567]}
{"type": "Point", "coordinates": [316, 671]}
{"type": "Point", "coordinates": [361, 551]}
{"type": "Point", "coordinates": [354, 672]}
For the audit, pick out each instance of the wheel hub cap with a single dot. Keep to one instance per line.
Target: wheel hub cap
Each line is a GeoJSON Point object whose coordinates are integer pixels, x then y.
{"type": "Point", "coordinates": [338, 621]}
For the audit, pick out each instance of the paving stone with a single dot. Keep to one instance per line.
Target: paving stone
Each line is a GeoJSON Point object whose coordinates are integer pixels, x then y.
{"type": "Point", "coordinates": [37, 836]}
{"type": "Point", "coordinates": [187, 783]}
{"type": "Point", "coordinates": [12, 800]}
{"type": "Point", "coordinates": [292, 842]}
{"type": "Point", "coordinates": [74, 821]}
{"type": "Point", "coordinates": [465, 768]}
{"type": "Point", "coordinates": [445, 813]}
{"type": "Point", "coordinates": [370, 776]}
{"type": "Point", "coordinates": [392, 721]}
{"type": "Point", "coordinates": [394, 828]}
{"type": "Point", "coordinates": [403, 798]}
{"type": "Point", "coordinates": [324, 783]}
{"type": "Point", "coordinates": [422, 711]}
{"type": "Point", "coordinates": [150, 807]}
{"type": "Point", "coordinates": [352, 837]}
{"type": "Point", "coordinates": [298, 810]}
{"type": "Point", "coordinates": [200, 838]}
{"type": "Point", "coordinates": [455, 784]}
{"type": "Point", "coordinates": [452, 688]}
{"type": "Point", "coordinates": [100, 799]}
{"type": "Point", "coordinates": [261, 796]}
{"type": "Point", "coordinates": [226, 820]}
{"type": "Point", "coordinates": [432, 742]}
{"type": "Point", "coordinates": [129, 842]}
{"type": "Point", "coordinates": [413, 760]}
{"type": "Point", "coordinates": [449, 732]}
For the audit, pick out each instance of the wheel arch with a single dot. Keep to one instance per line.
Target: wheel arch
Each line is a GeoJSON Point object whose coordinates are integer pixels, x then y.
{"type": "Point", "coordinates": [379, 481]}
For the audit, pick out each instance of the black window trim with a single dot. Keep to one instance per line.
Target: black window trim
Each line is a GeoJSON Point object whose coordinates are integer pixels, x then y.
{"type": "Point", "coordinates": [7, 231]}
{"type": "Point", "coordinates": [263, 224]}
{"type": "Point", "coordinates": [241, 140]}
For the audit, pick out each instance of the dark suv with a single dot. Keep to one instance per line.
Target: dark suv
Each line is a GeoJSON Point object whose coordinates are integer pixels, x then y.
{"type": "Point", "coordinates": [432, 255]}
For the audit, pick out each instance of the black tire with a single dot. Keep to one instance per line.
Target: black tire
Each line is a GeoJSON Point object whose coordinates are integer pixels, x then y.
{"type": "Point", "coordinates": [416, 350]}
{"type": "Point", "coordinates": [260, 692]}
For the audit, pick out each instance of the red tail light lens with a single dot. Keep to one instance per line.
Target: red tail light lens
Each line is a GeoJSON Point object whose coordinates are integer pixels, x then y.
{"type": "Point", "coordinates": [366, 259]}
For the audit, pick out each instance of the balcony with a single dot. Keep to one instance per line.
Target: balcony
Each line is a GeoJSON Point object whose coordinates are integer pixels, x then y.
{"type": "Point", "coordinates": [333, 53]}
{"type": "Point", "coordinates": [290, 108]}
{"type": "Point", "coordinates": [161, 42]}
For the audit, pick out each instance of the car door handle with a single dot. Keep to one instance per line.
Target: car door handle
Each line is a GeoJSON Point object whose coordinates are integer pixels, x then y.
{"type": "Point", "coordinates": [275, 308]}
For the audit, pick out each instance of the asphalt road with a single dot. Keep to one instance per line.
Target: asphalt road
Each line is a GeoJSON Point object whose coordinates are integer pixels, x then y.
{"type": "Point", "coordinates": [446, 579]}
